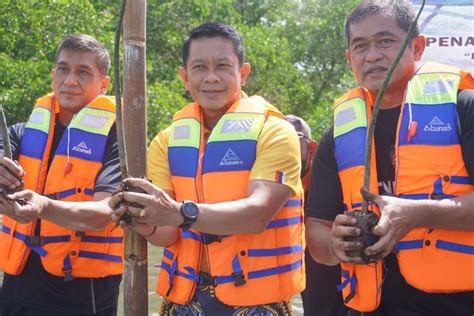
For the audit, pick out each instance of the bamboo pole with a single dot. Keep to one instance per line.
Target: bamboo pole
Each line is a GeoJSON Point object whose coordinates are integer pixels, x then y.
{"type": "Point", "coordinates": [7, 151]}
{"type": "Point", "coordinates": [134, 115]}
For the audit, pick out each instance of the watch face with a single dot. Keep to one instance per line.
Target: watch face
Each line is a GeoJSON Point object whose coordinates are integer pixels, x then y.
{"type": "Point", "coordinates": [191, 209]}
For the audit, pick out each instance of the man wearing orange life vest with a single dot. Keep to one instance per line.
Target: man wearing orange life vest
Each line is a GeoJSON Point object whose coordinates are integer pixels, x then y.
{"type": "Point", "coordinates": [423, 172]}
{"type": "Point", "coordinates": [58, 250]}
{"type": "Point", "coordinates": [226, 198]}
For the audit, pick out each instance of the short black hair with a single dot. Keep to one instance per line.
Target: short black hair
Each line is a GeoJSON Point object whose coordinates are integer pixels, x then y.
{"type": "Point", "coordinates": [210, 30]}
{"type": "Point", "coordinates": [401, 9]}
{"type": "Point", "coordinates": [86, 43]}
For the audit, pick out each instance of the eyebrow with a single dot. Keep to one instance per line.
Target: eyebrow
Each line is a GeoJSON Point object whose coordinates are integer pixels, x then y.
{"type": "Point", "coordinates": [63, 63]}
{"type": "Point", "coordinates": [379, 34]}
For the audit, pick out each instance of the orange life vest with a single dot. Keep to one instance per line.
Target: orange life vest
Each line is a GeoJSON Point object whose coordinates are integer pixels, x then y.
{"type": "Point", "coordinates": [429, 165]}
{"type": "Point", "coordinates": [71, 177]}
{"type": "Point", "coordinates": [248, 269]}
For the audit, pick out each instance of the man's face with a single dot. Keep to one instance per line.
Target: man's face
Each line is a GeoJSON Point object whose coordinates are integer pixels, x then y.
{"type": "Point", "coordinates": [213, 75]}
{"type": "Point", "coordinates": [77, 80]}
{"type": "Point", "coordinates": [373, 44]}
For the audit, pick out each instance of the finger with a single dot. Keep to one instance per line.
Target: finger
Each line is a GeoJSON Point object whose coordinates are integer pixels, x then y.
{"type": "Point", "coordinates": [141, 183]}
{"type": "Point", "coordinates": [382, 226]}
{"type": "Point", "coordinates": [13, 167]}
{"type": "Point", "coordinates": [119, 212]}
{"type": "Point", "coordinates": [381, 245]}
{"type": "Point", "coordinates": [115, 200]}
{"type": "Point", "coordinates": [8, 179]}
{"type": "Point", "coordinates": [126, 225]}
{"type": "Point", "coordinates": [24, 194]}
{"type": "Point", "coordinates": [136, 211]}
{"type": "Point", "coordinates": [344, 246]}
{"type": "Point", "coordinates": [343, 257]}
{"type": "Point", "coordinates": [135, 197]}
{"type": "Point", "coordinates": [343, 231]}
{"type": "Point", "coordinates": [344, 220]}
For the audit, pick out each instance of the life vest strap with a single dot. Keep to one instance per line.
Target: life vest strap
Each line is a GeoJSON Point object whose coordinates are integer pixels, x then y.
{"type": "Point", "coordinates": [440, 244]}
{"type": "Point", "coordinates": [33, 242]}
{"type": "Point", "coordinates": [66, 193]}
{"type": "Point", "coordinates": [348, 280]}
{"type": "Point", "coordinates": [293, 203]}
{"type": "Point", "coordinates": [277, 223]}
{"type": "Point", "coordinates": [237, 276]}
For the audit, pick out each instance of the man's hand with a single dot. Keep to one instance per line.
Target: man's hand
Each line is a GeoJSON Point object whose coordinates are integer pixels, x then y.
{"type": "Point", "coordinates": [343, 226]}
{"type": "Point", "coordinates": [396, 220]}
{"type": "Point", "coordinates": [10, 173]}
{"type": "Point", "coordinates": [159, 209]}
{"type": "Point", "coordinates": [28, 210]}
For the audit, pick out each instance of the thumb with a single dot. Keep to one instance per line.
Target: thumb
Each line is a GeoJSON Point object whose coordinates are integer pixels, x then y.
{"type": "Point", "coordinates": [367, 195]}
{"type": "Point", "coordinates": [19, 195]}
{"type": "Point", "coordinates": [382, 226]}
{"type": "Point", "coordinates": [146, 185]}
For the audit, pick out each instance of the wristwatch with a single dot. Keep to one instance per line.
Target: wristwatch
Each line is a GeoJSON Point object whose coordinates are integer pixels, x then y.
{"type": "Point", "coordinates": [190, 212]}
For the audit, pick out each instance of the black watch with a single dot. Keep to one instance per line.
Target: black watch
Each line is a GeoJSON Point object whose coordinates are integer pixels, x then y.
{"type": "Point", "coordinates": [190, 212]}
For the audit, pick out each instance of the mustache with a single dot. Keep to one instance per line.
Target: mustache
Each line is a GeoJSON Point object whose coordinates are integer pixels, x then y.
{"type": "Point", "coordinates": [375, 68]}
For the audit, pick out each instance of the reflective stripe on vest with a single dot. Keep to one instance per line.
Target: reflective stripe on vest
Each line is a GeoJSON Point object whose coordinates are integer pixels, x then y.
{"type": "Point", "coordinates": [71, 177]}
{"type": "Point", "coordinates": [241, 265]}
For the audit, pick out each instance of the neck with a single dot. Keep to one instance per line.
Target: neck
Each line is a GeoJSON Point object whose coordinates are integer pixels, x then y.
{"type": "Point", "coordinates": [65, 117]}
{"type": "Point", "coordinates": [211, 118]}
{"type": "Point", "coordinates": [391, 99]}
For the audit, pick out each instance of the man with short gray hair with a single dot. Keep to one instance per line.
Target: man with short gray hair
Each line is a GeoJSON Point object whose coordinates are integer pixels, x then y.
{"type": "Point", "coordinates": [60, 253]}
{"type": "Point", "coordinates": [422, 177]}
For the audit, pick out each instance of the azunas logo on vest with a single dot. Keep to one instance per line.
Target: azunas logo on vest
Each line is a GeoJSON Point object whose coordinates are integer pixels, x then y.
{"type": "Point", "coordinates": [82, 148]}
{"type": "Point", "coordinates": [230, 159]}
{"type": "Point", "coordinates": [436, 125]}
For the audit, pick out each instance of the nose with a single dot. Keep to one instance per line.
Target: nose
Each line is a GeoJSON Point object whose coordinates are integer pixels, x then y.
{"type": "Point", "coordinates": [212, 76]}
{"type": "Point", "coordinates": [373, 54]}
{"type": "Point", "coordinates": [70, 80]}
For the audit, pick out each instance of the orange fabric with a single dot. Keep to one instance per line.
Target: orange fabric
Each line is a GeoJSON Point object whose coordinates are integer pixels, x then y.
{"type": "Point", "coordinates": [45, 182]}
{"type": "Point", "coordinates": [433, 267]}
{"type": "Point", "coordinates": [368, 289]}
{"type": "Point", "coordinates": [418, 167]}
{"type": "Point", "coordinates": [186, 252]}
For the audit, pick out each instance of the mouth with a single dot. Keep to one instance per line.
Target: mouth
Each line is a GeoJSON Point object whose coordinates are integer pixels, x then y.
{"type": "Point", "coordinates": [376, 71]}
{"type": "Point", "coordinates": [70, 93]}
{"type": "Point", "coordinates": [211, 91]}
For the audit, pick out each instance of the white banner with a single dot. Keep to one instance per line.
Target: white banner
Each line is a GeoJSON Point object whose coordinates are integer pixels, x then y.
{"type": "Point", "coordinates": [449, 29]}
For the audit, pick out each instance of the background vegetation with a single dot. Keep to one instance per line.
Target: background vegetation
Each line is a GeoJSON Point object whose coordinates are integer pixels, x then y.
{"type": "Point", "coordinates": [296, 49]}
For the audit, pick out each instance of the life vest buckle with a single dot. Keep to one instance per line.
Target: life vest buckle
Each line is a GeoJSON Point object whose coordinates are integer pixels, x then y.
{"type": "Point", "coordinates": [205, 279]}
{"type": "Point", "coordinates": [34, 241]}
{"type": "Point", "coordinates": [239, 278]}
{"type": "Point", "coordinates": [210, 238]}
{"type": "Point", "coordinates": [437, 196]}
{"type": "Point", "coordinates": [68, 274]}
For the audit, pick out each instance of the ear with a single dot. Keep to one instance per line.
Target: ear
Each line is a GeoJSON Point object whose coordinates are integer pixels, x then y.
{"type": "Point", "coordinates": [418, 46]}
{"type": "Point", "coordinates": [184, 75]}
{"type": "Point", "coordinates": [244, 73]}
{"type": "Point", "coordinates": [312, 146]}
{"type": "Point", "coordinates": [348, 57]}
{"type": "Point", "coordinates": [105, 84]}
{"type": "Point", "coordinates": [53, 72]}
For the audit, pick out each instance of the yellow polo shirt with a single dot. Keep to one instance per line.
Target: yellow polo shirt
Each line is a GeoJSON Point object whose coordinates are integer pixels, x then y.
{"type": "Point", "coordinates": [277, 158]}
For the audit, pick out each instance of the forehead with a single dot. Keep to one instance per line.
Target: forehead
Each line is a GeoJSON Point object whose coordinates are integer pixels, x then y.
{"type": "Point", "coordinates": [211, 48]}
{"type": "Point", "coordinates": [374, 25]}
{"type": "Point", "coordinates": [75, 58]}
